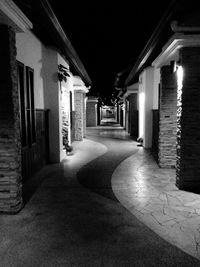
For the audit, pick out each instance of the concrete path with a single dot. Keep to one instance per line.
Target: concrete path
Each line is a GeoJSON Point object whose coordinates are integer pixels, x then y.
{"type": "Point", "coordinates": [70, 222]}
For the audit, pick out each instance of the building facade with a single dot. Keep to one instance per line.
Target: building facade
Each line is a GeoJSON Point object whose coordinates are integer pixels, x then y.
{"type": "Point", "coordinates": [167, 71]}
{"type": "Point", "coordinates": [39, 106]}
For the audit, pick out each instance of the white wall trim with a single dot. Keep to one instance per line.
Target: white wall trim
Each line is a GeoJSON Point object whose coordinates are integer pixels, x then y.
{"type": "Point", "coordinates": [171, 50]}
{"type": "Point", "coordinates": [13, 16]}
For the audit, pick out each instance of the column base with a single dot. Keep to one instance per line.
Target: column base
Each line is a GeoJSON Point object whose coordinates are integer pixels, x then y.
{"type": "Point", "coordinates": [11, 210]}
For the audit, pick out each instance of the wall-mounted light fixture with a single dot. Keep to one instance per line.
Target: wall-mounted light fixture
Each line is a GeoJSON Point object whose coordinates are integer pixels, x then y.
{"type": "Point", "coordinates": [174, 65]}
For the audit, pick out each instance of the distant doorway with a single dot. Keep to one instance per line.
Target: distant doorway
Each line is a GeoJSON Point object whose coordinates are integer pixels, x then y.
{"type": "Point", "coordinates": [108, 112]}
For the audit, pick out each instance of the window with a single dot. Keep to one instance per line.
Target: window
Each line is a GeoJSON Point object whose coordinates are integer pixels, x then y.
{"type": "Point", "coordinates": [30, 106]}
{"type": "Point", "coordinates": [21, 88]}
{"type": "Point", "coordinates": [27, 107]}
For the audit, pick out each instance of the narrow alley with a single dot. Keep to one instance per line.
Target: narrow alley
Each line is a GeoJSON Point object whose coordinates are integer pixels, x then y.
{"type": "Point", "coordinates": [99, 133]}
{"type": "Point", "coordinates": [74, 215]}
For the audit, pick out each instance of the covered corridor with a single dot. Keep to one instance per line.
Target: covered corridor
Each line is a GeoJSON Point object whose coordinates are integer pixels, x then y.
{"type": "Point", "coordinates": [98, 208]}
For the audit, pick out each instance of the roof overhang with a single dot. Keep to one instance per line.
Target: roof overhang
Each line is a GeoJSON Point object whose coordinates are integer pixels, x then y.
{"type": "Point", "coordinates": [11, 15]}
{"type": "Point", "coordinates": [170, 51]}
{"type": "Point", "coordinates": [132, 89]}
{"type": "Point", "coordinates": [151, 45]}
{"type": "Point", "coordinates": [69, 49]}
{"type": "Point", "coordinates": [79, 85]}
{"type": "Point", "coordinates": [121, 94]}
{"type": "Point", "coordinates": [92, 99]}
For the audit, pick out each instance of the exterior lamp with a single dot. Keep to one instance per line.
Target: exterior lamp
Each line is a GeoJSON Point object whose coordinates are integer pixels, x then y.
{"type": "Point", "coordinates": [173, 66]}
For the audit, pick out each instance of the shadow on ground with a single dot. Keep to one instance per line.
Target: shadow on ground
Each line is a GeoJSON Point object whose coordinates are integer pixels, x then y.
{"type": "Point", "coordinates": [97, 174]}
{"type": "Point", "coordinates": [66, 224]}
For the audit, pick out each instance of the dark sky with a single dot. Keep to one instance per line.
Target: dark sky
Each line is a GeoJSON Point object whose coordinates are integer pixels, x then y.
{"type": "Point", "coordinates": [108, 36]}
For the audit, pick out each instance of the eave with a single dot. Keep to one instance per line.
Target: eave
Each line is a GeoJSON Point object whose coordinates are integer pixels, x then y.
{"type": "Point", "coordinates": [68, 48]}
{"type": "Point", "coordinates": [121, 94]}
{"type": "Point", "coordinates": [11, 15]}
{"type": "Point", "coordinates": [151, 45]}
{"type": "Point", "coordinates": [133, 89]}
{"type": "Point", "coordinates": [170, 51]}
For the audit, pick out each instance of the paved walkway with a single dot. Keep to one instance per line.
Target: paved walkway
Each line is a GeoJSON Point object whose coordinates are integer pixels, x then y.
{"type": "Point", "coordinates": [73, 217]}
{"type": "Point", "coordinates": [150, 194]}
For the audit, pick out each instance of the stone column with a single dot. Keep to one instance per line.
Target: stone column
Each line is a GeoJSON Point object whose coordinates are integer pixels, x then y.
{"type": "Point", "coordinates": [121, 115]}
{"type": "Point", "coordinates": [91, 112]}
{"type": "Point", "coordinates": [79, 114]}
{"type": "Point", "coordinates": [188, 141]}
{"type": "Point", "coordinates": [128, 114]}
{"type": "Point", "coordinates": [168, 118]}
{"type": "Point", "coordinates": [10, 140]}
{"type": "Point", "coordinates": [133, 115]}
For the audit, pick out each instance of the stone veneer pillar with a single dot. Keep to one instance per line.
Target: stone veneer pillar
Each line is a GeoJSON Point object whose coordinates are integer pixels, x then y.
{"type": "Point", "coordinates": [133, 117]}
{"type": "Point", "coordinates": [10, 141]}
{"type": "Point", "coordinates": [188, 135]}
{"type": "Point", "coordinates": [79, 99]}
{"type": "Point", "coordinates": [91, 112]}
{"type": "Point", "coordinates": [167, 118]}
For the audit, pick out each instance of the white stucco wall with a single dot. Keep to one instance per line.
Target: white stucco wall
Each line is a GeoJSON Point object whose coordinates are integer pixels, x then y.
{"type": "Point", "coordinates": [146, 100]}
{"type": "Point", "coordinates": [141, 105]}
{"type": "Point", "coordinates": [51, 101]}
{"type": "Point", "coordinates": [47, 94]}
{"type": "Point", "coordinates": [156, 87]}
{"type": "Point", "coordinates": [30, 53]}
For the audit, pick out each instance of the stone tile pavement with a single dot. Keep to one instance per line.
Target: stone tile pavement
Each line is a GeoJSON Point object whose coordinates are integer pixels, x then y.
{"type": "Point", "coordinates": [67, 224]}
{"type": "Point", "coordinates": [149, 193]}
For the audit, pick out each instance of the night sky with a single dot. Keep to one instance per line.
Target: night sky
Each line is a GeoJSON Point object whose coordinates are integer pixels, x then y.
{"type": "Point", "coordinates": [108, 36]}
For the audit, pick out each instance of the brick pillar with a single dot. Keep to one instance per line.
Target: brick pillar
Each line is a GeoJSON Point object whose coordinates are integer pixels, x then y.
{"type": "Point", "coordinates": [168, 119]}
{"type": "Point", "coordinates": [126, 114]}
{"type": "Point", "coordinates": [133, 115]}
{"type": "Point", "coordinates": [91, 112]}
{"type": "Point", "coordinates": [79, 116]}
{"type": "Point", "coordinates": [188, 138]}
{"type": "Point", "coordinates": [10, 141]}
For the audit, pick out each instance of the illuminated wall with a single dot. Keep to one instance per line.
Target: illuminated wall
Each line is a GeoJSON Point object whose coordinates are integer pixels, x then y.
{"type": "Point", "coordinates": [146, 101]}
{"type": "Point", "coordinates": [47, 89]}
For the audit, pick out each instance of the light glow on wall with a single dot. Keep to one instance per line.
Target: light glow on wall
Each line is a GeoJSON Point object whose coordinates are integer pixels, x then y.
{"type": "Point", "coordinates": [141, 114]}
{"type": "Point", "coordinates": [180, 74]}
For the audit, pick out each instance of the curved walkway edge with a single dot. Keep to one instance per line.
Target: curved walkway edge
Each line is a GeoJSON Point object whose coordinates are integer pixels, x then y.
{"type": "Point", "coordinates": [83, 153]}
{"type": "Point", "coordinates": [150, 194]}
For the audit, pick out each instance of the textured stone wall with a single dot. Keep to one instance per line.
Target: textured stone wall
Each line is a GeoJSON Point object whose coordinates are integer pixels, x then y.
{"type": "Point", "coordinates": [121, 116]}
{"type": "Point", "coordinates": [188, 138]}
{"type": "Point", "coordinates": [133, 115]}
{"type": "Point", "coordinates": [73, 126]}
{"type": "Point", "coordinates": [155, 133]}
{"type": "Point", "coordinates": [127, 115]}
{"type": "Point", "coordinates": [168, 118]}
{"type": "Point", "coordinates": [91, 113]}
{"type": "Point", "coordinates": [79, 117]}
{"type": "Point", "coordinates": [10, 141]}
